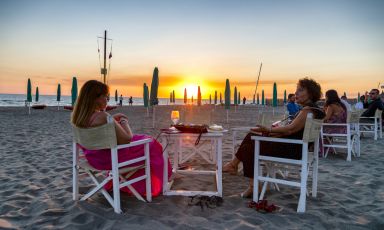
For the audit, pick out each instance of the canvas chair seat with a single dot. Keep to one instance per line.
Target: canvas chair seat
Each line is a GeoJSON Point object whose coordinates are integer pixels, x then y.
{"type": "Point", "coordinates": [104, 137]}
{"type": "Point", "coordinates": [308, 161]}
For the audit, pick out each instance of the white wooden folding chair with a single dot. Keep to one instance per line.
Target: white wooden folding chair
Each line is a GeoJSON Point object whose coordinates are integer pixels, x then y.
{"type": "Point", "coordinates": [372, 125]}
{"type": "Point", "coordinates": [309, 160]}
{"type": "Point", "coordinates": [349, 140]}
{"type": "Point", "coordinates": [104, 137]}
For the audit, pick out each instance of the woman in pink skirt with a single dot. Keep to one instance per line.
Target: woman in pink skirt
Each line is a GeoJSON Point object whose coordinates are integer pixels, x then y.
{"type": "Point", "coordinates": [90, 112]}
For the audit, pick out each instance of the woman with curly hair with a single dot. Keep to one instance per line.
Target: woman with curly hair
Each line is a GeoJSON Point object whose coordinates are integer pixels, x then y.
{"type": "Point", "coordinates": [308, 92]}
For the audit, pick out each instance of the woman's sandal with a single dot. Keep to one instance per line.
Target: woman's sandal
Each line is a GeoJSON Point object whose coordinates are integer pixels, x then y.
{"type": "Point", "coordinates": [263, 207]}
{"type": "Point", "coordinates": [230, 168]}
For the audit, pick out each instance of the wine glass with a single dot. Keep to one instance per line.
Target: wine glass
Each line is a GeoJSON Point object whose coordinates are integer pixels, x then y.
{"type": "Point", "coordinates": [175, 116]}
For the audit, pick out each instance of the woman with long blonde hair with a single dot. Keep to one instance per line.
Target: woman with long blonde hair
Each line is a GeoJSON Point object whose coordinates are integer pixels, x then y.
{"type": "Point", "coordinates": [89, 112]}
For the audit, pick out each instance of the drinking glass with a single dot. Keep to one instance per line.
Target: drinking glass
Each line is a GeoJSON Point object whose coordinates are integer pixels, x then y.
{"type": "Point", "coordinates": [175, 116]}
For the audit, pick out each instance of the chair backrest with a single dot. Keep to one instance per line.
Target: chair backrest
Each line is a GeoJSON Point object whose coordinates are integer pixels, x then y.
{"type": "Point", "coordinates": [312, 129]}
{"type": "Point", "coordinates": [100, 137]}
{"type": "Point", "coordinates": [378, 113]}
{"type": "Point", "coordinates": [268, 118]}
{"type": "Point", "coordinates": [354, 116]}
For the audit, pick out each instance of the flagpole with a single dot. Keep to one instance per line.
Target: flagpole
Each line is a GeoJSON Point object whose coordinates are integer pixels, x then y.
{"type": "Point", "coordinates": [105, 55]}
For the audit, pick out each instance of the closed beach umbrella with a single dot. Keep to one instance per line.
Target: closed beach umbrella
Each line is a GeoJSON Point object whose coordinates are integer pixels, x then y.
{"type": "Point", "coordinates": [238, 99]}
{"type": "Point", "coordinates": [58, 98]}
{"type": "Point", "coordinates": [235, 96]}
{"type": "Point", "coordinates": [285, 97]}
{"type": "Point", "coordinates": [170, 97]}
{"type": "Point", "coordinates": [145, 95]}
{"type": "Point", "coordinates": [254, 99]}
{"type": "Point", "coordinates": [37, 94]}
{"type": "Point", "coordinates": [198, 96]}
{"type": "Point", "coordinates": [210, 99]}
{"type": "Point", "coordinates": [153, 100]}
{"type": "Point", "coordinates": [358, 96]}
{"type": "Point", "coordinates": [74, 90]}
{"type": "Point", "coordinates": [221, 99]}
{"type": "Point", "coordinates": [274, 99]}
{"type": "Point", "coordinates": [116, 98]}
{"type": "Point", "coordinates": [215, 97]}
{"type": "Point", "coordinates": [258, 99]}
{"type": "Point", "coordinates": [185, 96]}
{"type": "Point", "coordinates": [262, 97]}
{"type": "Point", "coordinates": [227, 95]}
{"type": "Point", "coordinates": [29, 91]}
{"type": "Point", "coordinates": [173, 96]}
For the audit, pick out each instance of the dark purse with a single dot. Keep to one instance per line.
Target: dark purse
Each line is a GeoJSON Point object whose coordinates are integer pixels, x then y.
{"type": "Point", "coordinates": [200, 129]}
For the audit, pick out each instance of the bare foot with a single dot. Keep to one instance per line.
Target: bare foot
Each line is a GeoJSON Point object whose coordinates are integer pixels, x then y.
{"type": "Point", "coordinates": [230, 168]}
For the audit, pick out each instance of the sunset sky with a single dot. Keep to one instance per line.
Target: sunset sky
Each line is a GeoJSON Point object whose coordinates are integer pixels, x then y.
{"type": "Point", "coordinates": [195, 42]}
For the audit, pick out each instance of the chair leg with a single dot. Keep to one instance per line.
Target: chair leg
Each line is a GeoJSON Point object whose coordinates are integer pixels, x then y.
{"type": "Point", "coordinates": [349, 148]}
{"type": "Point", "coordinates": [148, 187]}
{"type": "Point", "coordinates": [256, 172]}
{"type": "Point", "coordinates": [303, 182]}
{"type": "Point", "coordinates": [115, 182]}
{"type": "Point", "coordinates": [315, 170]}
{"type": "Point", "coordinates": [75, 172]}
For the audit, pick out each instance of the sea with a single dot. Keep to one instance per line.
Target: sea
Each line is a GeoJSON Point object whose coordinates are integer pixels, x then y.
{"type": "Point", "coordinates": [17, 100]}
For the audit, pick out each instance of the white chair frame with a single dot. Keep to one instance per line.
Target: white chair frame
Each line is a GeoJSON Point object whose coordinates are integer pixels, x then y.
{"type": "Point", "coordinates": [349, 140]}
{"type": "Point", "coordinates": [83, 137]}
{"type": "Point", "coordinates": [309, 159]}
{"type": "Point", "coordinates": [375, 126]}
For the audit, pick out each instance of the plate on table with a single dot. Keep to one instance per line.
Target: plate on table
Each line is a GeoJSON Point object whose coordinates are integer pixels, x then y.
{"type": "Point", "coordinates": [217, 130]}
{"type": "Point", "coordinates": [170, 130]}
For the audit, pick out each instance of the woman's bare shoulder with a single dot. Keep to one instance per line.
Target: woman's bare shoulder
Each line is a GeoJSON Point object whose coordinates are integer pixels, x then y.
{"type": "Point", "coordinates": [100, 119]}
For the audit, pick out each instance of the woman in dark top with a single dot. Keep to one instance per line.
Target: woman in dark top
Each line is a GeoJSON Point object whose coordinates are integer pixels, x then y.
{"type": "Point", "coordinates": [335, 112]}
{"type": "Point", "coordinates": [308, 92]}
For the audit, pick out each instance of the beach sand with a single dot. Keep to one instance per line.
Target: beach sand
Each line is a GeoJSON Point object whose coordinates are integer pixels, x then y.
{"type": "Point", "coordinates": [36, 181]}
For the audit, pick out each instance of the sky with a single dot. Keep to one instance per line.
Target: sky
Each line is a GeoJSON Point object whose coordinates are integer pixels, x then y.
{"type": "Point", "coordinates": [339, 43]}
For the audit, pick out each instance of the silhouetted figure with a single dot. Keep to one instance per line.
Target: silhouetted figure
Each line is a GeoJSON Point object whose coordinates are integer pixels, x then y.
{"type": "Point", "coordinates": [244, 99]}
{"type": "Point", "coordinates": [130, 100]}
{"type": "Point", "coordinates": [121, 100]}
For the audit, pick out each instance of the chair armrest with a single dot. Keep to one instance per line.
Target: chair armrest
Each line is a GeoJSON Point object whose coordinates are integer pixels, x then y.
{"type": "Point", "coordinates": [134, 143]}
{"type": "Point", "coordinates": [274, 139]}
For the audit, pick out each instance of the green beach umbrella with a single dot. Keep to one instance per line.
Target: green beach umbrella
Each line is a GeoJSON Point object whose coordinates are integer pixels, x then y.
{"type": "Point", "coordinates": [285, 97]}
{"type": "Point", "coordinates": [274, 98]}
{"type": "Point", "coordinates": [153, 100]}
{"type": "Point", "coordinates": [258, 99]}
{"type": "Point", "coordinates": [235, 96]}
{"type": "Point", "coordinates": [173, 96]}
{"type": "Point", "coordinates": [221, 99]}
{"type": "Point", "coordinates": [198, 96]}
{"type": "Point", "coordinates": [254, 99]}
{"type": "Point", "coordinates": [116, 97]}
{"type": "Point", "coordinates": [215, 97]}
{"type": "Point", "coordinates": [238, 99]}
{"type": "Point", "coordinates": [185, 96]}
{"type": "Point", "coordinates": [74, 90]}
{"type": "Point", "coordinates": [145, 95]}
{"type": "Point", "coordinates": [37, 94]}
{"type": "Point", "coordinates": [227, 95]}
{"type": "Point", "coordinates": [29, 91]}
{"type": "Point", "coordinates": [262, 97]}
{"type": "Point", "coordinates": [210, 99]}
{"type": "Point", "coordinates": [58, 98]}
{"type": "Point", "coordinates": [358, 96]}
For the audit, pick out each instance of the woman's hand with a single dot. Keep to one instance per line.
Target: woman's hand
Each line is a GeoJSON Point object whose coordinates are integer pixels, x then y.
{"type": "Point", "coordinates": [118, 116]}
{"type": "Point", "coordinates": [260, 129]}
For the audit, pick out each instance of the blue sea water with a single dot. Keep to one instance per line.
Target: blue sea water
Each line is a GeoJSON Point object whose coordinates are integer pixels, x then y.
{"type": "Point", "coordinates": [50, 100]}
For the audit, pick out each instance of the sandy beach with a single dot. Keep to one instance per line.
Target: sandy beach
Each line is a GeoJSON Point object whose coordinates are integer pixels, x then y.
{"type": "Point", "coordinates": [36, 181]}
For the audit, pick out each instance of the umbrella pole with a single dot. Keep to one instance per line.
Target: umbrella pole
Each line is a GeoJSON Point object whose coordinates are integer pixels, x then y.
{"type": "Point", "coordinates": [153, 117]}
{"type": "Point", "coordinates": [29, 107]}
{"type": "Point", "coordinates": [58, 105]}
{"type": "Point", "coordinates": [227, 115]}
{"type": "Point", "coordinates": [147, 112]}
